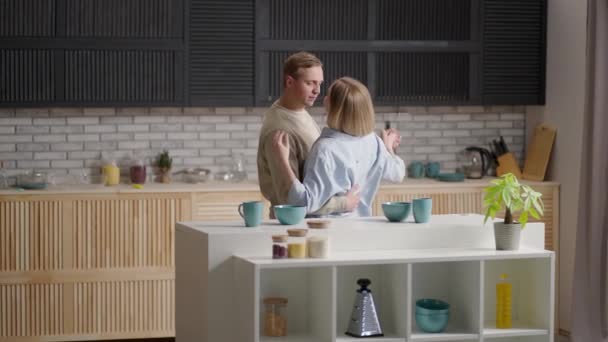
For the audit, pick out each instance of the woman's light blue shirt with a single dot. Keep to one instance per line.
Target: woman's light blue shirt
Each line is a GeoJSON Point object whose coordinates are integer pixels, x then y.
{"type": "Point", "coordinates": [338, 161]}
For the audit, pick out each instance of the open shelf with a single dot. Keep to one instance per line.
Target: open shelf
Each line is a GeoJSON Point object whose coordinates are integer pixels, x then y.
{"type": "Point", "coordinates": [538, 338]}
{"type": "Point", "coordinates": [458, 284]}
{"type": "Point", "coordinates": [308, 291]}
{"type": "Point", "coordinates": [385, 338]}
{"type": "Point", "coordinates": [389, 289]}
{"type": "Point", "coordinates": [441, 337]}
{"type": "Point", "coordinates": [531, 296]}
{"type": "Point", "coordinates": [518, 329]}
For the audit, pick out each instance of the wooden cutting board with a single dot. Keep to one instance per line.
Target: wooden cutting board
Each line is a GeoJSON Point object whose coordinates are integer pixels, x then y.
{"type": "Point", "coordinates": [539, 152]}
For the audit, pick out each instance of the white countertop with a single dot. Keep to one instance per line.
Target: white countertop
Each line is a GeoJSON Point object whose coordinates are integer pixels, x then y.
{"type": "Point", "coordinates": [454, 232]}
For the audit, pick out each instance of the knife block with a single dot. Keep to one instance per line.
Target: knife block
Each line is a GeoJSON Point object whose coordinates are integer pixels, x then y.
{"type": "Point", "coordinates": [507, 163]}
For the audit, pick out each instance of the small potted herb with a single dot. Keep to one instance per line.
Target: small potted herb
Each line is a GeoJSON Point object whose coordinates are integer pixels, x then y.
{"type": "Point", "coordinates": [164, 163]}
{"type": "Point", "coordinates": [515, 198]}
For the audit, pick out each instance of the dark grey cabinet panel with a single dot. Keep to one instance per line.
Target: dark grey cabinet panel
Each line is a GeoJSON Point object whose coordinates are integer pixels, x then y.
{"type": "Point", "coordinates": [514, 51]}
{"type": "Point", "coordinates": [92, 52]}
{"type": "Point", "coordinates": [221, 52]}
{"type": "Point", "coordinates": [423, 77]}
{"type": "Point", "coordinates": [153, 19]}
{"type": "Point", "coordinates": [27, 18]}
{"type": "Point", "coordinates": [317, 19]}
{"type": "Point", "coordinates": [120, 77]}
{"type": "Point", "coordinates": [423, 20]}
{"type": "Point", "coordinates": [27, 75]}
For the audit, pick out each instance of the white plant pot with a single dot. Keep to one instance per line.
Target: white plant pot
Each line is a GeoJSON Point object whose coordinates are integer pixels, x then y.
{"type": "Point", "coordinates": [507, 236]}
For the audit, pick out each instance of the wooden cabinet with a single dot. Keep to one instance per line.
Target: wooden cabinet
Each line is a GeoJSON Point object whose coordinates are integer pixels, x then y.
{"type": "Point", "coordinates": [88, 266]}
{"type": "Point", "coordinates": [99, 263]}
{"type": "Point", "coordinates": [223, 206]}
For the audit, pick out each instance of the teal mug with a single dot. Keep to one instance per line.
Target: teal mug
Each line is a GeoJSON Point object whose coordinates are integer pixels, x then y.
{"type": "Point", "coordinates": [251, 212]}
{"type": "Point", "coordinates": [416, 170]}
{"type": "Point", "coordinates": [432, 169]}
{"type": "Point", "coordinates": [422, 208]}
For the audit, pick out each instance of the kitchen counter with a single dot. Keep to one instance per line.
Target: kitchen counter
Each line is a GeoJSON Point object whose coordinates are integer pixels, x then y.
{"type": "Point", "coordinates": [214, 186]}
{"type": "Point", "coordinates": [224, 271]}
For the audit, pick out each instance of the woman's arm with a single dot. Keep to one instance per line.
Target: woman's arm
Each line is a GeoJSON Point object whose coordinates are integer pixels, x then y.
{"type": "Point", "coordinates": [319, 188]}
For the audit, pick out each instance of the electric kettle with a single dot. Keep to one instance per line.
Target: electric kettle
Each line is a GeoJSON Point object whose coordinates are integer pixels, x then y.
{"type": "Point", "coordinates": [474, 162]}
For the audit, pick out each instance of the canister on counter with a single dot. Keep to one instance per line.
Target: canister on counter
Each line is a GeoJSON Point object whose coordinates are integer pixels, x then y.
{"type": "Point", "coordinates": [275, 319]}
{"type": "Point", "coordinates": [279, 246]}
{"type": "Point", "coordinates": [296, 247]}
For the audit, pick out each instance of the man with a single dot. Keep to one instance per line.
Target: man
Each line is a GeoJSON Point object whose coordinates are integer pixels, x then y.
{"type": "Point", "coordinates": [302, 79]}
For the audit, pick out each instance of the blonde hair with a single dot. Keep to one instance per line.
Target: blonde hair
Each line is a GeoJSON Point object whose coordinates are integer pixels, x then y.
{"type": "Point", "coordinates": [350, 107]}
{"type": "Point", "coordinates": [298, 60]}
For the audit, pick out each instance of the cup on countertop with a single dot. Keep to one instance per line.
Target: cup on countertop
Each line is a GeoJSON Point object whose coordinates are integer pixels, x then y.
{"type": "Point", "coordinates": [422, 208]}
{"type": "Point", "coordinates": [432, 169]}
{"type": "Point", "coordinates": [416, 169]}
{"type": "Point", "coordinates": [251, 212]}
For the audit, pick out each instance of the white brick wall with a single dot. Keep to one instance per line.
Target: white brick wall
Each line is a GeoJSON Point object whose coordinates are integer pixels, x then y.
{"type": "Point", "coordinates": [70, 140]}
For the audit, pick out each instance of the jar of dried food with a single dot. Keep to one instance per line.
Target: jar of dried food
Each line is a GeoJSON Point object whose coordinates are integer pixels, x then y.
{"type": "Point", "coordinates": [296, 247]}
{"type": "Point", "coordinates": [275, 320]}
{"type": "Point", "coordinates": [279, 246]}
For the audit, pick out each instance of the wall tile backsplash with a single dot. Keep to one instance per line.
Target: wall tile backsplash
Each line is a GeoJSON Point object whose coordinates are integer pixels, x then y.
{"type": "Point", "coordinates": [72, 141]}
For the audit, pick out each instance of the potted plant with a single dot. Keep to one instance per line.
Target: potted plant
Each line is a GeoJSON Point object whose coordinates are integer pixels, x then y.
{"type": "Point", "coordinates": [164, 162]}
{"type": "Point", "coordinates": [508, 194]}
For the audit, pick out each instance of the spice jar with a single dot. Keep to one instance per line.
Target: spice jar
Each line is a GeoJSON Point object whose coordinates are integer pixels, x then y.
{"type": "Point", "coordinates": [279, 246]}
{"type": "Point", "coordinates": [275, 321]}
{"type": "Point", "coordinates": [296, 248]}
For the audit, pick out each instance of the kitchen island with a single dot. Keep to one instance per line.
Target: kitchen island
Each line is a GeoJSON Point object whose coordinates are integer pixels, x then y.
{"type": "Point", "coordinates": [223, 272]}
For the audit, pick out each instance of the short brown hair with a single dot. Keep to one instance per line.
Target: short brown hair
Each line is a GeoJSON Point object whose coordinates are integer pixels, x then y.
{"type": "Point", "coordinates": [298, 60]}
{"type": "Point", "coordinates": [350, 107]}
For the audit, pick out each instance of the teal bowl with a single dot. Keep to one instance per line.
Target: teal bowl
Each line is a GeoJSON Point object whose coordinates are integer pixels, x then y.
{"type": "Point", "coordinates": [289, 214]}
{"type": "Point", "coordinates": [396, 211]}
{"type": "Point", "coordinates": [430, 306]}
{"type": "Point", "coordinates": [432, 323]}
{"type": "Point", "coordinates": [432, 315]}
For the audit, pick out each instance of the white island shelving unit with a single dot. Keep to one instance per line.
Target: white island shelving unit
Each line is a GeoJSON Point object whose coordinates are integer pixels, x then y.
{"type": "Point", "coordinates": [224, 271]}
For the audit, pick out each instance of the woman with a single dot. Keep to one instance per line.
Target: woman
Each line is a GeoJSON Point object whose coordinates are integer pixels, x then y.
{"type": "Point", "coordinates": [348, 152]}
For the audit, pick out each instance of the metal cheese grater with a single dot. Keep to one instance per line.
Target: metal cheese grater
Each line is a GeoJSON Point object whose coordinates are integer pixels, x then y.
{"type": "Point", "coordinates": [364, 318]}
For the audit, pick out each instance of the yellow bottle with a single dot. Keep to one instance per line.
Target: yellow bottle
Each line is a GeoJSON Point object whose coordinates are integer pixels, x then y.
{"type": "Point", "coordinates": [503, 303]}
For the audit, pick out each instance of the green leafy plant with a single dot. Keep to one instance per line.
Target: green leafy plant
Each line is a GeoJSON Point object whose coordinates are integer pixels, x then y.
{"type": "Point", "coordinates": [163, 160]}
{"type": "Point", "coordinates": [507, 193]}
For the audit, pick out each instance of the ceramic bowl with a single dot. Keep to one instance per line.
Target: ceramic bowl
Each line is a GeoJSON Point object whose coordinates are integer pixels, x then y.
{"type": "Point", "coordinates": [396, 211]}
{"type": "Point", "coordinates": [289, 214]}
{"type": "Point", "coordinates": [432, 315]}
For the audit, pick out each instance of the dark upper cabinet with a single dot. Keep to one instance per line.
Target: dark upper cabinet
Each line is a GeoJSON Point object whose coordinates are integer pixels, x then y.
{"type": "Point", "coordinates": [221, 52]}
{"type": "Point", "coordinates": [92, 52]}
{"type": "Point", "coordinates": [230, 52]}
{"type": "Point", "coordinates": [514, 45]}
{"type": "Point", "coordinates": [417, 52]}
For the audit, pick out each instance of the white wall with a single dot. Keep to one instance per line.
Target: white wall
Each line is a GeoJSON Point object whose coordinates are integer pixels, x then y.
{"type": "Point", "coordinates": [566, 49]}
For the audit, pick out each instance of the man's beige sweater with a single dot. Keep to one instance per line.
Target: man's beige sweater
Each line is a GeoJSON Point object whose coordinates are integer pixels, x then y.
{"type": "Point", "coordinates": [303, 131]}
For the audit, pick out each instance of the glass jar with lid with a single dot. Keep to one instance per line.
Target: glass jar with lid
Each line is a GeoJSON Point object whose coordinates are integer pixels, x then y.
{"type": "Point", "coordinates": [317, 243]}
{"type": "Point", "coordinates": [279, 246]}
{"type": "Point", "coordinates": [275, 319]}
{"type": "Point", "coordinates": [296, 247]}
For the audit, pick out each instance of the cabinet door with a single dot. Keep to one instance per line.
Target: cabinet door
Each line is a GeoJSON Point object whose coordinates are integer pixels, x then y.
{"type": "Point", "coordinates": [223, 206]}
{"type": "Point", "coordinates": [94, 52]}
{"type": "Point", "coordinates": [221, 52]}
